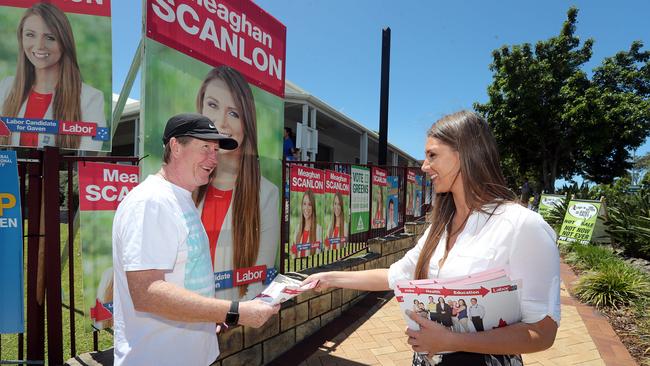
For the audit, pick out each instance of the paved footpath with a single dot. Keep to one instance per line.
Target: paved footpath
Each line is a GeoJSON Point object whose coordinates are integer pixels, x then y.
{"type": "Point", "coordinates": [376, 337]}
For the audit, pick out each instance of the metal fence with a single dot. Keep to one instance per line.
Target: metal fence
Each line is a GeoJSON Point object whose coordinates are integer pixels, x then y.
{"type": "Point", "coordinates": [357, 243]}
{"type": "Point", "coordinates": [39, 174]}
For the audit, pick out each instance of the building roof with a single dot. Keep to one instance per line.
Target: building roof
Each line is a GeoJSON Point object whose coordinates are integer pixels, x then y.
{"type": "Point", "coordinates": [292, 93]}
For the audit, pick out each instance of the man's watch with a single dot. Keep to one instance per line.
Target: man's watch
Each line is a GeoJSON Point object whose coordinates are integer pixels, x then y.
{"type": "Point", "coordinates": [232, 317]}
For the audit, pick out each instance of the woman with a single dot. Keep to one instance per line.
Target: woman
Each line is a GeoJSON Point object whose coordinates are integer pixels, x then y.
{"type": "Point", "coordinates": [422, 311]}
{"type": "Point", "coordinates": [309, 231]}
{"type": "Point", "coordinates": [455, 308]}
{"type": "Point", "coordinates": [239, 207]}
{"type": "Point", "coordinates": [409, 199]}
{"type": "Point", "coordinates": [379, 220]}
{"type": "Point", "coordinates": [338, 227]}
{"type": "Point", "coordinates": [463, 319]}
{"type": "Point", "coordinates": [48, 82]}
{"type": "Point", "coordinates": [476, 225]}
{"type": "Point", "coordinates": [444, 312]}
{"type": "Point", "coordinates": [416, 304]}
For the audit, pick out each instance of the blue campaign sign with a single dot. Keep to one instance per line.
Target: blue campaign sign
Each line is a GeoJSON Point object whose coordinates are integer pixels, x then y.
{"type": "Point", "coordinates": [11, 246]}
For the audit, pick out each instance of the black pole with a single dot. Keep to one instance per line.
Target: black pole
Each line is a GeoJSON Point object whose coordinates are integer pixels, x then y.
{"type": "Point", "coordinates": [53, 256]}
{"type": "Point", "coordinates": [383, 98]}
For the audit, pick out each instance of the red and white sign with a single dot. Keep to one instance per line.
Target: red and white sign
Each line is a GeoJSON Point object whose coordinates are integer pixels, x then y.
{"type": "Point", "coordinates": [379, 177]}
{"type": "Point", "coordinates": [91, 7]}
{"type": "Point", "coordinates": [249, 275]}
{"type": "Point", "coordinates": [410, 176]}
{"type": "Point", "coordinates": [77, 128]}
{"type": "Point", "coordinates": [103, 186]}
{"type": "Point", "coordinates": [337, 182]}
{"type": "Point", "coordinates": [237, 33]}
{"type": "Point", "coordinates": [304, 179]}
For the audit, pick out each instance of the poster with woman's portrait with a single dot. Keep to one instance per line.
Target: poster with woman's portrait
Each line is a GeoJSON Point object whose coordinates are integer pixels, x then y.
{"type": "Point", "coordinates": [392, 207]}
{"type": "Point", "coordinates": [306, 187]}
{"type": "Point", "coordinates": [225, 61]}
{"type": "Point", "coordinates": [410, 192]}
{"type": "Point", "coordinates": [99, 196]}
{"type": "Point", "coordinates": [379, 196]}
{"type": "Point", "coordinates": [417, 196]}
{"type": "Point", "coordinates": [336, 219]}
{"type": "Point", "coordinates": [55, 74]}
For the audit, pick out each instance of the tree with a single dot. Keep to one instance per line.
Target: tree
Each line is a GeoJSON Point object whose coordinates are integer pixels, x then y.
{"type": "Point", "coordinates": [551, 121]}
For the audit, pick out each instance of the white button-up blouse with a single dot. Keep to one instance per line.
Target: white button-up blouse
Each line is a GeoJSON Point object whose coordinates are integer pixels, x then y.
{"type": "Point", "coordinates": [512, 237]}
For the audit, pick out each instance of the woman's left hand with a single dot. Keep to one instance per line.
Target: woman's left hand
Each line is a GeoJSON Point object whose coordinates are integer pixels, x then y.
{"type": "Point", "coordinates": [432, 337]}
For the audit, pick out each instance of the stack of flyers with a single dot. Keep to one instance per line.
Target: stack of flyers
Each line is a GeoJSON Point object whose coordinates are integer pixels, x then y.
{"type": "Point", "coordinates": [284, 288]}
{"type": "Point", "coordinates": [474, 303]}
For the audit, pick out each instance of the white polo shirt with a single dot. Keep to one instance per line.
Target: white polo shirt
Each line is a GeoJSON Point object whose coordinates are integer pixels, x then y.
{"type": "Point", "coordinates": [158, 227]}
{"type": "Point", "coordinates": [513, 237]}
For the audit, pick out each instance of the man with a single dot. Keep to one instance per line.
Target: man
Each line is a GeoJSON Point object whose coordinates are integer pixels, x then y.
{"type": "Point", "coordinates": [288, 147]}
{"type": "Point", "coordinates": [476, 313]}
{"type": "Point", "coordinates": [431, 308]}
{"type": "Point", "coordinates": [165, 312]}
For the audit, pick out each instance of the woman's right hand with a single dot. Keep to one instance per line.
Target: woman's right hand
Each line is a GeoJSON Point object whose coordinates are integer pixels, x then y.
{"type": "Point", "coordinates": [324, 280]}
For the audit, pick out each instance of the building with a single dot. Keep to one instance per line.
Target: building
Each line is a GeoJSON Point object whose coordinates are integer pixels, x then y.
{"type": "Point", "coordinates": [322, 132]}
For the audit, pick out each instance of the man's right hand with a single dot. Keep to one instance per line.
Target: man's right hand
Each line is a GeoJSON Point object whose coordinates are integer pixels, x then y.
{"type": "Point", "coordinates": [255, 313]}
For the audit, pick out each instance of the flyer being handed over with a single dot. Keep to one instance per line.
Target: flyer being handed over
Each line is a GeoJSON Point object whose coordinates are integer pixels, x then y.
{"type": "Point", "coordinates": [284, 288]}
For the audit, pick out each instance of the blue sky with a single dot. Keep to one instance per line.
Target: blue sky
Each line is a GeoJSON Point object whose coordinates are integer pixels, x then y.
{"type": "Point", "coordinates": [439, 57]}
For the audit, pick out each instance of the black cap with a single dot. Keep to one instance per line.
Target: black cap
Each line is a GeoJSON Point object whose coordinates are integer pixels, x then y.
{"type": "Point", "coordinates": [198, 126]}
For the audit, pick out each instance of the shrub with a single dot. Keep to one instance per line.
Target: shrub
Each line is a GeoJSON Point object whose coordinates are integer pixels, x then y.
{"type": "Point", "coordinates": [629, 224]}
{"type": "Point", "coordinates": [612, 285]}
{"type": "Point", "coordinates": [589, 257]}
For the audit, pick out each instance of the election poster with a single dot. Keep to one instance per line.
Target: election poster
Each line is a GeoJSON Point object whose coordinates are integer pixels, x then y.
{"type": "Point", "coordinates": [548, 202]}
{"type": "Point", "coordinates": [410, 192]}
{"type": "Point", "coordinates": [225, 60]}
{"type": "Point", "coordinates": [579, 222]}
{"type": "Point", "coordinates": [360, 200]}
{"type": "Point", "coordinates": [379, 196]}
{"type": "Point", "coordinates": [417, 197]}
{"type": "Point", "coordinates": [11, 250]}
{"type": "Point", "coordinates": [337, 209]}
{"type": "Point", "coordinates": [392, 207]}
{"type": "Point", "coordinates": [67, 41]}
{"type": "Point", "coordinates": [102, 187]}
{"type": "Point", "coordinates": [307, 186]}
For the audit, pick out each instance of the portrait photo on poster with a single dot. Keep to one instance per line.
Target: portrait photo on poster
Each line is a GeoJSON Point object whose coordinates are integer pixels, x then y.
{"type": "Point", "coordinates": [53, 92]}
{"type": "Point", "coordinates": [237, 188]}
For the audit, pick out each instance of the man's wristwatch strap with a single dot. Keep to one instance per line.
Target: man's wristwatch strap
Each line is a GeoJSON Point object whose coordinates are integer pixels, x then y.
{"type": "Point", "coordinates": [232, 317]}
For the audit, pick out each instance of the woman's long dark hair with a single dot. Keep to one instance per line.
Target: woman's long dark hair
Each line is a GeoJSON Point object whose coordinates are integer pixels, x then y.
{"type": "Point", "coordinates": [482, 179]}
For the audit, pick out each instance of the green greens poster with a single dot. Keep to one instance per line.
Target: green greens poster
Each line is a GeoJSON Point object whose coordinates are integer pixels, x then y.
{"type": "Point", "coordinates": [234, 75]}
{"type": "Point", "coordinates": [579, 222]}
{"type": "Point", "coordinates": [360, 200]}
{"type": "Point", "coordinates": [547, 202]}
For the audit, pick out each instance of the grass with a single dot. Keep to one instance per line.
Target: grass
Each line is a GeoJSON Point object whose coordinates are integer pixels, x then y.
{"type": "Point", "coordinates": [83, 338]}
{"type": "Point", "coordinates": [587, 257]}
